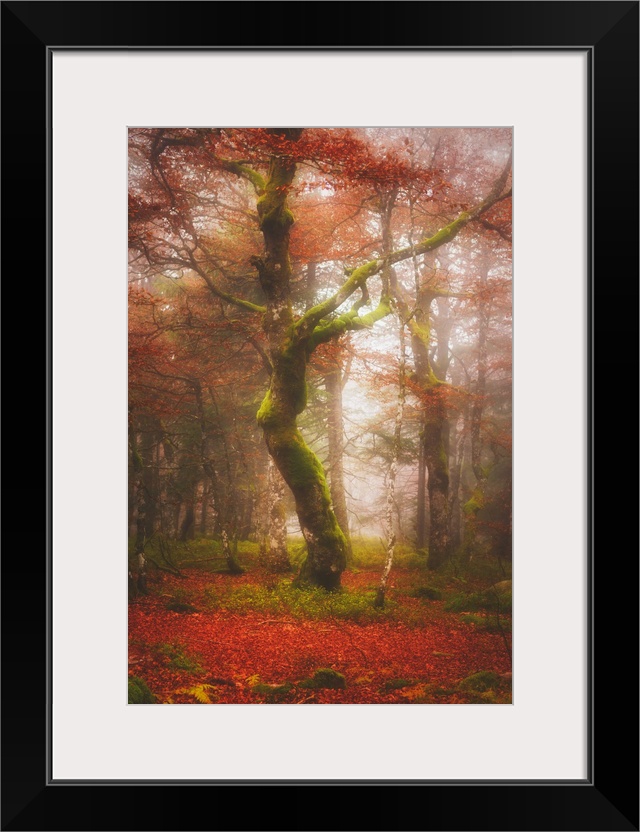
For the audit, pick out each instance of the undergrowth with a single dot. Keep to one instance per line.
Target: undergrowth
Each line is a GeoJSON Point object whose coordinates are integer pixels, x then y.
{"type": "Point", "coordinates": [488, 599]}
{"type": "Point", "coordinates": [199, 553]}
{"type": "Point", "coordinates": [178, 658]}
{"type": "Point", "coordinates": [303, 603]}
{"type": "Point", "coordinates": [139, 693]}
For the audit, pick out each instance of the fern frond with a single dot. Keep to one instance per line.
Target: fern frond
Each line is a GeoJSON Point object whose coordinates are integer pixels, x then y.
{"type": "Point", "coordinates": [199, 692]}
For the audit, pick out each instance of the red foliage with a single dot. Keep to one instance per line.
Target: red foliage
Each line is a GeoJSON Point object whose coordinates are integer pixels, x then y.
{"type": "Point", "coordinates": [233, 647]}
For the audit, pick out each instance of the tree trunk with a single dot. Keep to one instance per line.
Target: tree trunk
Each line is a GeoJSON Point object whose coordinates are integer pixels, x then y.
{"type": "Point", "coordinates": [176, 518]}
{"type": "Point", "coordinates": [286, 398]}
{"type": "Point", "coordinates": [438, 467]}
{"type": "Point", "coordinates": [455, 476]}
{"type": "Point", "coordinates": [220, 500]}
{"type": "Point", "coordinates": [276, 556]}
{"type": "Point", "coordinates": [391, 477]}
{"type": "Point", "coordinates": [437, 444]}
{"type": "Point", "coordinates": [421, 513]}
{"type": "Point", "coordinates": [136, 460]}
{"type": "Point", "coordinates": [436, 428]}
{"type": "Point", "coordinates": [312, 284]}
{"type": "Point", "coordinates": [245, 524]}
{"type": "Point", "coordinates": [187, 529]}
{"type": "Point", "coordinates": [335, 435]}
{"type": "Point", "coordinates": [302, 471]}
{"type": "Point", "coordinates": [204, 509]}
{"type": "Point", "coordinates": [150, 478]}
{"type": "Point", "coordinates": [480, 472]}
{"type": "Point", "coordinates": [131, 502]}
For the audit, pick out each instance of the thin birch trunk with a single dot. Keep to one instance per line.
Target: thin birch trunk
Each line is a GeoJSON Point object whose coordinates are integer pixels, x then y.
{"type": "Point", "coordinates": [393, 472]}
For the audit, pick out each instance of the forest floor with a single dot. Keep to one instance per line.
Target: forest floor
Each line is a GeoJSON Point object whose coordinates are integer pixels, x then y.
{"type": "Point", "coordinates": [210, 637]}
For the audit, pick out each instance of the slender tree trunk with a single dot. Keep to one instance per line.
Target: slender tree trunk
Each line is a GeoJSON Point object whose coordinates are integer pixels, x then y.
{"type": "Point", "coordinates": [240, 480]}
{"type": "Point", "coordinates": [434, 448]}
{"type": "Point", "coordinates": [421, 512]}
{"type": "Point", "coordinates": [312, 284]}
{"type": "Point", "coordinates": [455, 482]}
{"type": "Point", "coordinates": [245, 526]}
{"type": "Point", "coordinates": [220, 500]}
{"type": "Point", "coordinates": [438, 468]}
{"type": "Point", "coordinates": [391, 476]}
{"type": "Point", "coordinates": [141, 515]}
{"type": "Point", "coordinates": [176, 519]}
{"type": "Point", "coordinates": [437, 443]}
{"type": "Point", "coordinates": [150, 479]}
{"type": "Point", "coordinates": [229, 533]}
{"type": "Point", "coordinates": [204, 508]}
{"type": "Point", "coordinates": [187, 529]}
{"type": "Point", "coordinates": [421, 509]}
{"type": "Point", "coordinates": [335, 435]}
{"type": "Point", "coordinates": [481, 473]}
{"type": "Point", "coordinates": [131, 502]}
{"type": "Point", "coordinates": [276, 556]}
{"type": "Point", "coordinates": [436, 428]}
{"type": "Point", "coordinates": [141, 563]}
{"type": "Point", "coordinates": [226, 536]}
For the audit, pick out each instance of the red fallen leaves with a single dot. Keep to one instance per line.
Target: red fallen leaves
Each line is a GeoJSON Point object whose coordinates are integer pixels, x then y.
{"type": "Point", "coordinates": [231, 650]}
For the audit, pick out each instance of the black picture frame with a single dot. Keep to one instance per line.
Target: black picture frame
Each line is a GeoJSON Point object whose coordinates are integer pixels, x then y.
{"type": "Point", "coordinates": [608, 798]}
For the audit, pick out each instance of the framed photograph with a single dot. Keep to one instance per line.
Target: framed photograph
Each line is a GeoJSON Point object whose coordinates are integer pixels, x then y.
{"type": "Point", "coordinates": [533, 743]}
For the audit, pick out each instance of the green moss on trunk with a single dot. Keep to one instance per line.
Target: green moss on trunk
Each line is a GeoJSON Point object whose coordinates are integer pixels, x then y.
{"type": "Point", "coordinates": [289, 348]}
{"type": "Point", "coordinates": [302, 471]}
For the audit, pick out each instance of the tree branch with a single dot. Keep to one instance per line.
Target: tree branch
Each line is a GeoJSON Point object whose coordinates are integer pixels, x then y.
{"type": "Point", "coordinates": [243, 304]}
{"type": "Point", "coordinates": [360, 275]}
{"type": "Point", "coordinates": [245, 172]}
{"type": "Point", "coordinates": [161, 142]}
{"type": "Point", "coordinates": [348, 322]}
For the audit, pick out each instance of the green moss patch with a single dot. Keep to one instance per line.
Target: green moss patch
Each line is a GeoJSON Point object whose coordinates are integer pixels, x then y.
{"type": "Point", "coordinates": [179, 659]}
{"type": "Point", "coordinates": [139, 693]}
{"type": "Point", "coordinates": [325, 677]}
{"type": "Point", "coordinates": [476, 601]}
{"type": "Point", "coordinates": [488, 623]}
{"type": "Point", "coordinates": [483, 681]}
{"type": "Point", "coordinates": [307, 602]}
{"type": "Point", "coordinates": [272, 693]}
{"type": "Point", "coordinates": [395, 684]}
{"type": "Point", "coordinates": [427, 592]}
{"type": "Point", "coordinates": [181, 606]}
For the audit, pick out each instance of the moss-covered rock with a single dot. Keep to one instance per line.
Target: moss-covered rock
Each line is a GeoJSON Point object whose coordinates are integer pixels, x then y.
{"type": "Point", "coordinates": [427, 592]}
{"type": "Point", "coordinates": [395, 684]}
{"type": "Point", "coordinates": [483, 681]}
{"type": "Point", "coordinates": [502, 588]}
{"type": "Point", "coordinates": [325, 677]}
{"type": "Point", "coordinates": [271, 693]}
{"type": "Point", "coordinates": [181, 606]}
